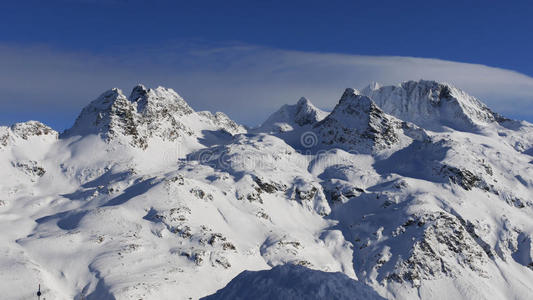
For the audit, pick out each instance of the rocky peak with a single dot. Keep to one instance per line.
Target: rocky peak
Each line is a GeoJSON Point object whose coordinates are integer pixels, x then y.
{"type": "Point", "coordinates": [306, 113]}
{"type": "Point", "coordinates": [109, 99]}
{"type": "Point", "coordinates": [147, 113]}
{"type": "Point", "coordinates": [138, 92]}
{"type": "Point", "coordinates": [108, 115]}
{"type": "Point", "coordinates": [159, 102]}
{"type": "Point", "coordinates": [303, 102]}
{"type": "Point", "coordinates": [356, 110]}
{"type": "Point", "coordinates": [357, 123]}
{"type": "Point", "coordinates": [431, 105]}
{"type": "Point", "coordinates": [349, 93]}
{"type": "Point", "coordinates": [113, 113]}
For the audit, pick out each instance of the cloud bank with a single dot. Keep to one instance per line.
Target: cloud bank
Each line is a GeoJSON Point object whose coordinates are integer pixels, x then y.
{"type": "Point", "coordinates": [246, 82]}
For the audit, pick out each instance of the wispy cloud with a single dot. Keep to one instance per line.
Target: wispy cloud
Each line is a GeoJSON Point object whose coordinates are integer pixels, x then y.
{"type": "Point", "coordinates": [247, 82]}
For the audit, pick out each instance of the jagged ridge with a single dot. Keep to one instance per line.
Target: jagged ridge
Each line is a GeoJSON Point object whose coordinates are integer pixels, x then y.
{"type": "Point", "coordinates": [147, 113]}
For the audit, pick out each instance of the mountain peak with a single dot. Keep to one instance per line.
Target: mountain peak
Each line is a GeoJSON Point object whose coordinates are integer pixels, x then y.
{"type": "Point", "coordinates": [102, 114]}
{"type": "Point", "coordinates": [25, 131]}
{"type": "Point", "coordinates": [355, 110]}
{"type": "Point", "coordinates": [158, 101]}
{"type": "Point", "coordinates": [139, 91]}
{"type": "Point", "coordinates": [288, 117]}
{"type": "Point", "coordinates": [432, 105]}
{"type": "Point", "coordinates": [307, 113]}
{"type": "Point", "coordinates": [349, 93]}
{"type": "Point", "coordinates": [353, 102]}
{"type": "Point", "coordinates": [108, 98]}
{"type": "Point", "coordinates": [303, 101]}
{"type": "Point", "coordinates": [147, 113]}
{"type": "Point", "coordinates": [358, 124]}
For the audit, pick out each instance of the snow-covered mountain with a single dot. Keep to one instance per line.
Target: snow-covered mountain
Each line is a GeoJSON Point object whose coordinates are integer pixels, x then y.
{"type": "Point", "coordinates": [432, 105]}
{"type": "Point", "coordinates": [411, 191]}
{"type": "Point", "coordinates": [148, 113]}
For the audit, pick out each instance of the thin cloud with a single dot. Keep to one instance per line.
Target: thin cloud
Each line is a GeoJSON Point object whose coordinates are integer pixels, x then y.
{"type": "Point", "coordinates": [247, 82]}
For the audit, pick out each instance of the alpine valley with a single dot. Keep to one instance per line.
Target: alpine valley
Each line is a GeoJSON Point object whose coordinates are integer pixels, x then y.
{"type": "Point", "coordinates": [411, 191]}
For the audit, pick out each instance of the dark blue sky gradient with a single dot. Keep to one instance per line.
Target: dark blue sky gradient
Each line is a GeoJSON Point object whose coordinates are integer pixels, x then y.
{"type": "Point", "coordinates": [494, 33]}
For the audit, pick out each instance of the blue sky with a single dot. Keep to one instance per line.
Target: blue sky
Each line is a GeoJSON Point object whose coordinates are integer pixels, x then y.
{"type": "Point", "coordinates": [56, 56]}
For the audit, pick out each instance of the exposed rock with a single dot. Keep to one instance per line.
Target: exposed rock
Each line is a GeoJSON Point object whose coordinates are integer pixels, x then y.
{"type": "Point", "coordinates": [444, 248]}
{"type": "Point", "coordinates": [269, 186]}
{"type": "Point", "coordinates": [358, 124]}
{"type": "Point", "coordinates": [464, 178]}
{"type": "Point", "coordinates": [30, 167]}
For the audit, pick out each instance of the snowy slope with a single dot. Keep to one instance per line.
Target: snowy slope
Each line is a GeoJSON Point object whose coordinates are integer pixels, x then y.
{"type": "Point", "coordinates": [416, 190]}
{"type": "Point", "coordinates": [294, 282]}
{"type": "Point", "coordinates": [290, 117]}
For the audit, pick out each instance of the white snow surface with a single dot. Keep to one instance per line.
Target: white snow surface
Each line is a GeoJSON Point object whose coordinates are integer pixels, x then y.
{"type": "Point", "coordinates": [417, 191]}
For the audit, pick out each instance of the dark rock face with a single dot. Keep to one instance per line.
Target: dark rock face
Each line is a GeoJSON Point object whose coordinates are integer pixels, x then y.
{"type": "Point", "coordinates": [4, 137]}
{"type": "Point", "coordinates": [445, 244]}
{"type": "Point", "coordinates": [337, 192]}
{"type": "Point", "coordinates": [269, 186]}
{"type": "Point", "coordinates": [464, 178]}
{"type": "Point", "coordinates": [306, 194]}
{"type": "Point", "coordinates": [31, 168]}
